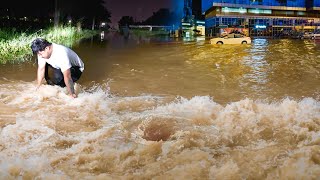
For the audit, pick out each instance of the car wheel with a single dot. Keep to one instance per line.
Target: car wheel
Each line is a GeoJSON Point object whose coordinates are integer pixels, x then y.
{"type": "Point", "coordinates": [244, 42]}
{"type": "Point", "coordinates": [219, 42]}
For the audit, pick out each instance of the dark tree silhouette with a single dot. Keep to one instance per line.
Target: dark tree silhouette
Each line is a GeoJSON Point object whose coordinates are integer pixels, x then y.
{"type": "Point", "coordinates": [126, 21]}
{"type": "Point", "coordinates": [19, 8]}
{"type": "Point", "coordinates": [89, 13]}
{"type": "Point", "coordinates": [162, 17]}
{"type": "Point", "coordinates": [25, 15]}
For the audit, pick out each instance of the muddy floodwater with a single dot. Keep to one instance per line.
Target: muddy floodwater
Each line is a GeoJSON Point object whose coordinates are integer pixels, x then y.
{"type": "Point", "coordinates": [167, 109]}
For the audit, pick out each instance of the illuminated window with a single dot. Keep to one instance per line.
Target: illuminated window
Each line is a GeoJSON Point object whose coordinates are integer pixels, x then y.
{"type": "Point", "coordinates": [260, 11]}
{"type": "Point", "coordinates": [234, 10]}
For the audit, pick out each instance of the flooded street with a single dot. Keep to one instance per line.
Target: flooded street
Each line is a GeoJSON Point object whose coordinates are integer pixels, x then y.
{"type": "Point", "coordinates": [159, 109]}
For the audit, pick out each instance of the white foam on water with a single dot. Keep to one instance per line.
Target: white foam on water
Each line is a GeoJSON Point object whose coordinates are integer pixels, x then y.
{"type": "Point", "coordinates": [100, 135]}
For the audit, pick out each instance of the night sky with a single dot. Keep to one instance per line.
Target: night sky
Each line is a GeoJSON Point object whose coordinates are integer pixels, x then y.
{"type": "Point", "coordinates": [139, 9]}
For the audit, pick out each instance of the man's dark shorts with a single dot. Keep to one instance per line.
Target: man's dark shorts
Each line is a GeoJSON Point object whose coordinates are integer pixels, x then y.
{"type": "Point", "coordinates": [54, 76]}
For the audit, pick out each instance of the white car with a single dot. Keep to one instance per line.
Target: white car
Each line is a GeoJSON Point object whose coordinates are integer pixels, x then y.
{"type": "Point", "coordinates": [316, 35]}
{"type": "Point", "coordinates": [231, 39]}
{"type": "Point", "coordinates": [311, 35]}
{"type": "Point", "coordinates": [307, 35]}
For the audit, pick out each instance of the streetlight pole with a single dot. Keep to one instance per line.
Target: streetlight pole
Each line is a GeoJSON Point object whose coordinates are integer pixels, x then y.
{"type": "Point", "coordinates": [56, 14]}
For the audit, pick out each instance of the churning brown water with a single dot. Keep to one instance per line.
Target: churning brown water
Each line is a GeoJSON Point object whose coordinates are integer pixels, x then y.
{"type": "Point", "coordinates": [167, 110]}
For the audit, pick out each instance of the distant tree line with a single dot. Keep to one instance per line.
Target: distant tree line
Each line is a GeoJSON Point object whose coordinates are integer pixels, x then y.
{"type": "Point", "coordinates": [42, 12]}
{"type": "Point", "coordinates": [162, 17]}
{"type": "Point", "coordinates": [84, 11]}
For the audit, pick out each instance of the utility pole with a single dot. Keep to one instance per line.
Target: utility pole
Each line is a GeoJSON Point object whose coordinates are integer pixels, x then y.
{"type": "Point", "coordinates": [93, 22]}
{"type": "Point", "coordinates": [56, 14]}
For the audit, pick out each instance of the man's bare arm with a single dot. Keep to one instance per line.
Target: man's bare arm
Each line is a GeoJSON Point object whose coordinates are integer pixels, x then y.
{"type": "Point", "coordinates": [69, 83]}
{"type": "Point", "coordinates": [40, 75]}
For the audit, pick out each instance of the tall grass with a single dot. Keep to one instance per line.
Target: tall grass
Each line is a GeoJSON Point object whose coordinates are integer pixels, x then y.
{"type": "Point", "coordinates": [15, 47]}
{"type": "Point", "coordinates": [6, 34]}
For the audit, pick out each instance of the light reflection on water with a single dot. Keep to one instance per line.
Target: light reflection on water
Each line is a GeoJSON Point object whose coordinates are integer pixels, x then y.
{"type": "Point", "coordinates": [267, 69]}
{"type": "Point", "coordinates": [167, 110]}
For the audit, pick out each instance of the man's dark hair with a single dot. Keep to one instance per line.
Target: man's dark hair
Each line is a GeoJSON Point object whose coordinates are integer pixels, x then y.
{"type": "Point", "coordinates": [39, 44]}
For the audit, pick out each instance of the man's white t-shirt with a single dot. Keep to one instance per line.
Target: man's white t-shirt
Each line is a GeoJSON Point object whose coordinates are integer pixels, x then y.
{"type": "Point", "coordinates": [62, 58]}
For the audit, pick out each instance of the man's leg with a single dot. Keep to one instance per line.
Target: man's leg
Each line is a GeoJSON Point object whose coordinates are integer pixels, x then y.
{"type": "Point", "coordinates": [54, 76]}
{"type": "Point", "coordinates": [75, 73]}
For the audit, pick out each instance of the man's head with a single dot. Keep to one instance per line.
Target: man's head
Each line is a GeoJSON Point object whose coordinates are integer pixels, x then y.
{"type": "Point", "coordinates": [42, 48]}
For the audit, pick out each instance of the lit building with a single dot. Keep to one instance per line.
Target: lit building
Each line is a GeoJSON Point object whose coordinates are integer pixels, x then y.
{"type": "Point", "coordinates": [261, 17]}
{"type": "Point", "coordinates": [190, 25]}
{"type": "Point", "coordinates": [187, 22]}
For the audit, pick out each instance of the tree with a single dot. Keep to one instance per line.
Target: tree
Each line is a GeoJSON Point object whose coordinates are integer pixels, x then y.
{"type": "Point", "coordinates": [95, 11]}
{"type": "Point", "coordinates": [84, 11]}
{"type": "Point", "coordinates": [25, 8]}
{"type": "Point", "coordinates": [24, 15]}
{"type": "Point", "coordinates": [126, 21]}
{"type": "Point", "coordinates": [162, 17]}
{"type": "Point", "coordinates": [89, 13]}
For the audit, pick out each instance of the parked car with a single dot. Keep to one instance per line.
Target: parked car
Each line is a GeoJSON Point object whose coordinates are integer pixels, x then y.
{"type": "Point", "coordinates": [307, 35]}
{"type": "Point", "coordinates": [316, 35]}
{"type": "Point", "coordinates": [231, 39]}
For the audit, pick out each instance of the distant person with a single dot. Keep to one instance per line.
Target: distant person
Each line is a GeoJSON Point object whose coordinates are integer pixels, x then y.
{"type": "Point", "coordinates": [58, 64]}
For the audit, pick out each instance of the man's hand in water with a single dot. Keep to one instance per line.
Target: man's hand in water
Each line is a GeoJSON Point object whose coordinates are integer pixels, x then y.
{"type": "Point", "coordinates": [73, 95]}
{"type": "Point", "coordinates": [38, 87]}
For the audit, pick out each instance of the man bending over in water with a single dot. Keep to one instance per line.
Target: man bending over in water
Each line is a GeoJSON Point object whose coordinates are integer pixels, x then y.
{"type": "Point", "coordinates": [58, 64]}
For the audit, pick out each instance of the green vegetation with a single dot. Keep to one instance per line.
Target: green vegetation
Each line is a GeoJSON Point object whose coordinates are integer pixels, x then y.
{"type": "Point", "coordinates": [15, 47]}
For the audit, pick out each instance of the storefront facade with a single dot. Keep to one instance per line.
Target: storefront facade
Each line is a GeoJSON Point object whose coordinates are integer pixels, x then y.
{"type": "Point", "coordinates": [269, 18]}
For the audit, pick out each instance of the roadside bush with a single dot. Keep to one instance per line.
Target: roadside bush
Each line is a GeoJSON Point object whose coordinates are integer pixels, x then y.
{"type": "Point", "coordinates": [15, 47]}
